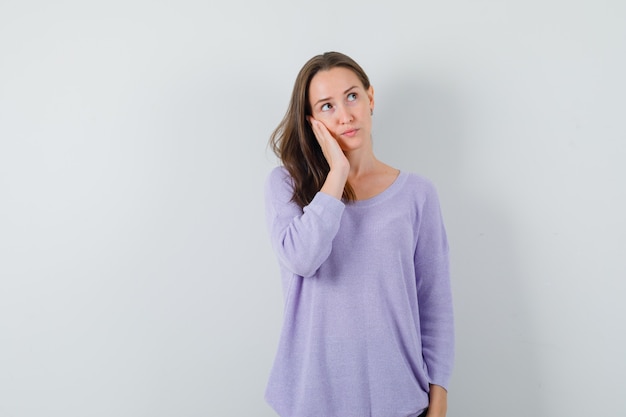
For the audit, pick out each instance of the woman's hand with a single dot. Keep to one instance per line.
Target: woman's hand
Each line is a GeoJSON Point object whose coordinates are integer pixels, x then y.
{"type": "Point", "coordinates": [438, 405]}
{"type": "Point", "coordinates": [337, 161]}
{"type": "Point", "coordinates": [330, 147]}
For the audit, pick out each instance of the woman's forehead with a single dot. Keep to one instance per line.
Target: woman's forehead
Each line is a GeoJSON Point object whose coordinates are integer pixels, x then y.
{"type": "Point", "coordinates": [332, 82]}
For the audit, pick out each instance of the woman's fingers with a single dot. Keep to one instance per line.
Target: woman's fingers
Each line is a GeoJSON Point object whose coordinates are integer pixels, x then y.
{"type": "Point", "coordinates": [330, 148]}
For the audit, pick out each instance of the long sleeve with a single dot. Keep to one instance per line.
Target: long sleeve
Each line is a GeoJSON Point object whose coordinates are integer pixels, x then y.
{"type": "Point", "coordinates": [434, 292]}
{"type": "Point", "coordinates": [301, 238]}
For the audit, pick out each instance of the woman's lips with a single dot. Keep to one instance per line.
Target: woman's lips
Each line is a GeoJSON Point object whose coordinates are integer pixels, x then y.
{"type": "Point", "coordinates": [350, 133]}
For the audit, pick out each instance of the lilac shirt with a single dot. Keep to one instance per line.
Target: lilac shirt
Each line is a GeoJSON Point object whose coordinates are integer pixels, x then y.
{"type": "Point", "coordinates": [368, 319]}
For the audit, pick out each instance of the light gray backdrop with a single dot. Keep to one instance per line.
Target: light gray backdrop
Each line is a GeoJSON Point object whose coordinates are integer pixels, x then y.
{"type": "Point", "coordinates": [136, 277]}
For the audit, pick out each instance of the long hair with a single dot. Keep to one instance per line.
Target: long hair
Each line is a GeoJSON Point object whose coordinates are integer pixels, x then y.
{"type": "Point", "coordinates": [294, 142]}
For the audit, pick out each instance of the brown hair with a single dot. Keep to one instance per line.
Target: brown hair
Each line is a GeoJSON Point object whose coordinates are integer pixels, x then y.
{"type": "Point", "coordinates": [294, 142]}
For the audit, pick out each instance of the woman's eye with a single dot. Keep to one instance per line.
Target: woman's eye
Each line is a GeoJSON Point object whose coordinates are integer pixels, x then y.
{"type": "Point", "coordinates": [325, 107]}
{"type": "Point", "coordinates": [351, 96]}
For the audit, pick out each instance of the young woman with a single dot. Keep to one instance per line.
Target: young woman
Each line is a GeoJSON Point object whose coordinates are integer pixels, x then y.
{"type": "Point", "coordinates": [368, 324]}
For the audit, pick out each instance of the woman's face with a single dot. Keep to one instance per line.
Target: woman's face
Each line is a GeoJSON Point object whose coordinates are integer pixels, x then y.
{"type": "Point", "coordinates": [339, 100]}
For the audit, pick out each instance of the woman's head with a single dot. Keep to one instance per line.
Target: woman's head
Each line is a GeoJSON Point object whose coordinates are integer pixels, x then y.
{"type": "Point", "coordinates": [293, 140]}
{"type": "Point", "coordinates": [324, 62]}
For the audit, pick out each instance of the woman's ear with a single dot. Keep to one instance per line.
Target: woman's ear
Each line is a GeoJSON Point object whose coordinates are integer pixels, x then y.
{"type": "Point", "coordinates": [370, 96]}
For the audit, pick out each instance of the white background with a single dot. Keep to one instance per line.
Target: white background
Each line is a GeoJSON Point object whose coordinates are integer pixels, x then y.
{"type": "Point", "coordinates": [136, 276]}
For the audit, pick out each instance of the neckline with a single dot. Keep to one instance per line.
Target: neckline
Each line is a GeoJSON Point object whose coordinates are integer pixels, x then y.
{"type": "Point", "coordinates": [383, 195]}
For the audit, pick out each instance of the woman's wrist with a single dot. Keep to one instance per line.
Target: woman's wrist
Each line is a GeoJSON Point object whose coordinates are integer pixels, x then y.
{"type": "Point", "coordinates": [335, 183]}
{"type": "Point", "coordinates": [438, 401]}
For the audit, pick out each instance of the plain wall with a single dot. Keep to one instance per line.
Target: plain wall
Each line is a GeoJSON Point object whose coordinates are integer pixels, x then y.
{"type": "Point", "coordinates": [136, 275]}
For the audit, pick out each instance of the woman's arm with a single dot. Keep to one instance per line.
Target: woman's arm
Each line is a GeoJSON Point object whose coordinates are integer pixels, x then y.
{"type": "Point", "coordinates": [301, 238]}
{"type": "Point", "coordinates": [434, 291]}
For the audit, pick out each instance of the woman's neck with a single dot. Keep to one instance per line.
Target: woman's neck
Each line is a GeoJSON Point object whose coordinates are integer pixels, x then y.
{"type": "Point", "coordinates": [362, 162]}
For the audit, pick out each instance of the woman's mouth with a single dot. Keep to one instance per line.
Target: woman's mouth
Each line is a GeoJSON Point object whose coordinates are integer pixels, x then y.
{"type": "Point", "coordinates": [350, 133]}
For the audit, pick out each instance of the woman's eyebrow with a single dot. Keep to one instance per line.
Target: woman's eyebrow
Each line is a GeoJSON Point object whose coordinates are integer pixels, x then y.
{"type": "Point", "coordinates": [328, 98]}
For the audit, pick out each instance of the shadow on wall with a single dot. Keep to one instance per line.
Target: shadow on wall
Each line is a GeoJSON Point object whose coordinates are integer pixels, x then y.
{"type": "Point", "coordinates": [423, 129]}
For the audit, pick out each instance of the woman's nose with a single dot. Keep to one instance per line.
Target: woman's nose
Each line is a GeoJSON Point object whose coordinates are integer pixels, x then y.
{"type": "Point", "coordinates": [343, 115]}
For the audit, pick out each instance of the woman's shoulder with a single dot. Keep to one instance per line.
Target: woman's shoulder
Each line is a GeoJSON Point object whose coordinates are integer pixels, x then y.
{"type": "Point", "coordinates": [279, 184]}
{"type": "Point", "coordinates": [419, 182]}
{"type": "Point", "coordinates": [420, 190]}
{"type": "Point", "coordinates": [278, 175]}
